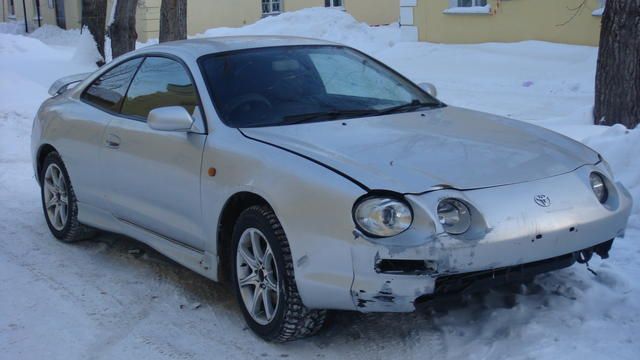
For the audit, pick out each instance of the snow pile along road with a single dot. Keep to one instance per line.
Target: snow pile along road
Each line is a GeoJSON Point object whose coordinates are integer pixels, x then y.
{"type": "Point", "coordinates": [100, 299]}
{"type": "Point", "coordinates": [329, 24]}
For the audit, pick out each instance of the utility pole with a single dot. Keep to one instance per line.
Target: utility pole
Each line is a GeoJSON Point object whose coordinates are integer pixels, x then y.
{"type": "Point", "coordinates": [38, 12]}
{"type": "Point", "coordinates": [24, 11]}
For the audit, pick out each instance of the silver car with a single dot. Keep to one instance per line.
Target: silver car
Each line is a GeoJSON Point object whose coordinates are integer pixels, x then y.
{"type": "Point", "coordinates": [311, 177]}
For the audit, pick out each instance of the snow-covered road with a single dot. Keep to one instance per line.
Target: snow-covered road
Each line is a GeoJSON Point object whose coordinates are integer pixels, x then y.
{"type": "Point", "coordinates": [114, 298]}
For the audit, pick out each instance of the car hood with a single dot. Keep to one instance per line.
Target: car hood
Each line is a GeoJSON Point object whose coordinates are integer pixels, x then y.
{"type": "Point", "coordinates": [414, 152]}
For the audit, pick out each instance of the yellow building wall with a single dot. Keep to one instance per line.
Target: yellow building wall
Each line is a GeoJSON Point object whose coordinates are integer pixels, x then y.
{"type": "Point", "coordinates": [148, 19]}
{"type": "Point", "coordinates": [510, 21]}
{"type": "Point", "coordinates": [73, 13]}
{"type": "Point", "coordinates": [206, 14]}
{"type": "Point", "coordinates": [293, 5]}
{"type": "Point", "coordinates": [47, 14]}
{"type": "Point", "coordinates": [374, 12]}
{"type": "Point", "coordinates": [72, 10]}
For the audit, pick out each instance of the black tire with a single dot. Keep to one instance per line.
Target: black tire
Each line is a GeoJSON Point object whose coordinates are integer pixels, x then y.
{"type": "Point", "coordinates": [73, 230]}
{"type": "Point", "coordinates": [292, 319]}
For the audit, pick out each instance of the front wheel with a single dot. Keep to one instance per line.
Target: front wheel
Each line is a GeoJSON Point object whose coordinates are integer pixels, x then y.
{"type": "Point", "coordinates": [59, 202]}
{"type": "Point", "coordinates": [264, 281]}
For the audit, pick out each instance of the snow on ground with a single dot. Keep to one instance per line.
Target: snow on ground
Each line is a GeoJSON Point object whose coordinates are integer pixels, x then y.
{"type": "Point", "coordinates": [100, 300]}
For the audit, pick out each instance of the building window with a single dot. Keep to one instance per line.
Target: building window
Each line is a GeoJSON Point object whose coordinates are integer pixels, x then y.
{"type": "Point", "coordinates": [332, 3]}
{"type": "Point", "coordinates": [50, 3]}
{"type": "Point", "coordinates": [271, 6]}
{"type": "Point", "coordinates": [471, 3]}
{"type": "Point", "coordinates": [599, 11]}
{"type": "Point", "coordinates": [468, 7]}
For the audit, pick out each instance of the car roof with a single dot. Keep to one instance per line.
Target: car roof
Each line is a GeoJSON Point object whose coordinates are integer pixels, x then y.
{"type": "Point", "coordinates": [204, 46]}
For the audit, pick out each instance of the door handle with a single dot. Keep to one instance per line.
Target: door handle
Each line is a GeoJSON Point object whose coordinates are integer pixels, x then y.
{"type": "Point", "coordinates": [112, 141]}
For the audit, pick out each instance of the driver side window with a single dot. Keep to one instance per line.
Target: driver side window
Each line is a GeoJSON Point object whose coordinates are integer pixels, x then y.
{"type": "Point", "coordinates": [158, 83]}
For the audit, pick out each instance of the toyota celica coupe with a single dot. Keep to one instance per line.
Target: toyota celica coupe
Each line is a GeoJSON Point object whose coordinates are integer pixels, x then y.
{"type": "Point", "coordinates": [311, 176]}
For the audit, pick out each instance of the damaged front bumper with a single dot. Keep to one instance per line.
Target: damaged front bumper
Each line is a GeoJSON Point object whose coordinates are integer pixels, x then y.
{"type": "Point", "coordinates": [519, 240]}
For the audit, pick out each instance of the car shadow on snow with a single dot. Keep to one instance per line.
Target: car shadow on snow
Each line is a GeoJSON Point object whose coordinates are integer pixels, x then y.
{"type": "Point", "coordinates": [129, 252]}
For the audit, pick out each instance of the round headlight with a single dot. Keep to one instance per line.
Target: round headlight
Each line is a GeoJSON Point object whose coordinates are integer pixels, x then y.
{"type": "Point", "coordinates": [454, 216]}
{"type": "Point", "coordinates": [599, 187]}
{"type": "Point", "coordinates": [383, 217]}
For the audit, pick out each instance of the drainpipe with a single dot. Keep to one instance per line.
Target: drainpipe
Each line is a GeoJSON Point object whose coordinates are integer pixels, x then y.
{"type": "Point", "coordinates": [26, 21]}
{"type": "Point", "coordinates": [38, 12]}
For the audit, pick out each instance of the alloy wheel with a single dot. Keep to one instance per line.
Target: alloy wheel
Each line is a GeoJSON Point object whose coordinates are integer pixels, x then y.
{"type": "Point", "coordinates": [257, 276]}
{"type": "Point", "coordinates": [55, 197]}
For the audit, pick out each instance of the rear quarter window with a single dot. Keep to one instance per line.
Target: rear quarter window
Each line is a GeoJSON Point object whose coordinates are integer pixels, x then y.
{"type": "Point", "coordinates": [107, 91]}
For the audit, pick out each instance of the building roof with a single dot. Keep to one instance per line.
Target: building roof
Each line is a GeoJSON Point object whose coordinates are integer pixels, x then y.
{"type": "Point", "coordinates": [204, 46]}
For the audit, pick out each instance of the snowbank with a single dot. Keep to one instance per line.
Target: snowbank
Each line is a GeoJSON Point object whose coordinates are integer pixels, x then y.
{"type": "Point", "coordinates": [329, 24]}
{"type": "Point", "coordinates": [11, 28]}
{"type": "Point", "coordinates": [61, 301]}
{"type": "Point", "coordinates": [28, 66]}
{"type": "Point", "coordinates": [85, 46]}
{"type": "Point", "coordinates": [528, 80]}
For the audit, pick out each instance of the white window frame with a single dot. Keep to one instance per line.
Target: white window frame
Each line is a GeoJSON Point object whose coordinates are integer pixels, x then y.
{"type": "Point", "coordinates": [599, 11]}
{"type": "Point", "coordinates": [475, 7]}
{"type": "Point", "coordinates": [51, 4]}
{"type": "Point", "coordinates": [332, 4]}
{"type": "Point", "coordinates": [270, 4]}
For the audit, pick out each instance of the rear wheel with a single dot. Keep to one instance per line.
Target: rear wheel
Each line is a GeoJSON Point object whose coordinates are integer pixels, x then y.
{"type": "Point", "coordinates": [59, 202]}
{"type": "Point", "coordinates": [264, 281]}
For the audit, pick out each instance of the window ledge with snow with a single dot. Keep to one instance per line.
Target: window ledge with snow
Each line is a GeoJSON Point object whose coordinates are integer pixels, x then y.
{"type": "Point", "coordinates": [469, 10]}
{"type": "Point", "coordinates": [598, 12]}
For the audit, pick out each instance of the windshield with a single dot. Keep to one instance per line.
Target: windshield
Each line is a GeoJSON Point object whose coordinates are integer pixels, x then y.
{"type": "Point", "coordinates": [296, 84]}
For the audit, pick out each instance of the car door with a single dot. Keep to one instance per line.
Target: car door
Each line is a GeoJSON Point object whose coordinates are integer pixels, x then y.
{"type": "Point", "coordinates": [153, 176]}
{"type": "Point", "coordinates": [87, 122]}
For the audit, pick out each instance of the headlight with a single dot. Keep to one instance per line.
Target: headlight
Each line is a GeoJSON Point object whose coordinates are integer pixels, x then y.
{"type": "Point", "coordinates": [383, 217]}
{"type": "Point", "coordinates": [454, 216]}
{"type": "Point", "coordinates": [599, 187]}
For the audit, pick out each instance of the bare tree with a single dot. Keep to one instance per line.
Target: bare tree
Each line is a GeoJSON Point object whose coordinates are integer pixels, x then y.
{"type": "Point", "coordinates": [123, 29]}
{"type": "Point", "coordinates": [173, 20]}
{"type": "Point", "coordinates": [94, 17]}
{"type": "Point", "coordinates": [618, 74]}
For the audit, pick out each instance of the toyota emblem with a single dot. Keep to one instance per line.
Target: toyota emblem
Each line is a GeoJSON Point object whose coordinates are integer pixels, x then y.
{"type": "Point", "coordinates": [543, 200]}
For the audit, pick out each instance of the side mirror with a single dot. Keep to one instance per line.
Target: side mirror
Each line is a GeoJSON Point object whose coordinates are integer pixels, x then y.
{"type": "Point", "coordinates": [170, 118]}
{"type": "Point", "coordinates": [429, 88]}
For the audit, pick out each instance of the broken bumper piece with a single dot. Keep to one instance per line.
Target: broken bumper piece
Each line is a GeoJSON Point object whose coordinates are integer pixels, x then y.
{"type": "Point", "coordinates": [387, 300]}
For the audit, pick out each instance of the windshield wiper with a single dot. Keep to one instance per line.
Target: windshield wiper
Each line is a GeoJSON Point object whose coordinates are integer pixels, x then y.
{"type": "Point", "coordinates": [339, 114]}
{"type": "Point", "coordinates": [413, 105]}
{"type": "Point", "coordinates": [332, 115]}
